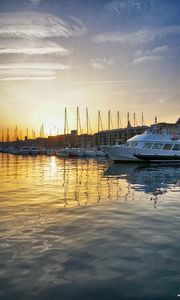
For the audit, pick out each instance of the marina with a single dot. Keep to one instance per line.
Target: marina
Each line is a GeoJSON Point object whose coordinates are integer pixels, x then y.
{"type": "Point", "coordinates": [89, 150]}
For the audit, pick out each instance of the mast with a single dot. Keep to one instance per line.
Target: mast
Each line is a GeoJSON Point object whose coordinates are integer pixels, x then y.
{"type": "Point", "coordinates": [3, 135]}
{"type": "Point", "coordinates": [128, 120]}
{"type": "Point", "coordinates": [65, 121]}
{"type": "Point", "coordinates": [100, 126]}
{"type": "Point", "coordinates": [99, 120]}
{"type": "Point", "coordinates": [87, 120]}
{"type": "Point", "coordinates": [109, 120]}
{"type": "Point", "coordinates": [42, 130]}
{"type": "Point", "coordinates": [118, 119]}
{"type": "Point", "coordinates": [16, 133]}
{"type": "Point", "coordinates": [134, 119]}
{"type": "Point", "coordinates": [78, 121]}
{"type": "Point", "coordinates": [7, 135]}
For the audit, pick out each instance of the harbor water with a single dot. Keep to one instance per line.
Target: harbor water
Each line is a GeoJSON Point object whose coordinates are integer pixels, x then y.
{"type": "Point", "coordinates": [88, 229]}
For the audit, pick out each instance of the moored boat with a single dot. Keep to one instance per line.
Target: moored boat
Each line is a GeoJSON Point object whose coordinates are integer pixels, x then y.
{"type": "Point", "coordinates": [76, 152]}
{"type": "Point", "coordinates": [34, 150]}
{"type": "Point", "coordinates": [63, 152]}
{"type": "Point", "coordinates": [24, 150]}
{"type": "Point", "coordinates": [154, 145]}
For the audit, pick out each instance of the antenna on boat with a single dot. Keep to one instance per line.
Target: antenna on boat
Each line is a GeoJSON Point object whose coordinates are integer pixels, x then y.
{"type": "Point", "coordinates": [142, 119]}
{"type": "Point", "coordinates": [155, 120]}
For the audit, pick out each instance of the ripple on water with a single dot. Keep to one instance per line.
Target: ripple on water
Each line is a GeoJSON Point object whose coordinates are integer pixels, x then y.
{"type": "Point", "coordinates": [86, 229]}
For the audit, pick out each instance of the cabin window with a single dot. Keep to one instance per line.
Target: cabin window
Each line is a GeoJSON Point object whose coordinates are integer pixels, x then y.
{"type": "Point", "coordinates": [167, 146]}
{"type": "Point", "coordinates": [157, 146]}
{"type": "Point", "coordinates": [135, 144]}
{"type": "Point", "coordinates": [148, 145]}
{"type": "Point", "coordinates": [176, 147]}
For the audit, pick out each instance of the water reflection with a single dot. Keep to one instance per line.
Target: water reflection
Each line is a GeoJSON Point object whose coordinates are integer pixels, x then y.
{"type": "Point", "coordinates": [66, 182]}
{"type": "Point", "coordinates": [153, 180]}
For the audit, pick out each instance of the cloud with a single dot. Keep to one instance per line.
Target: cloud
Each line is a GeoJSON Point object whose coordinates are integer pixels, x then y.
{"type": "Point", "coordinates": [32, 47]}
{"type": "Point", "coordinates": [18, 71]}
{"type": "Point", "coordinates": [129, 5]}
{"type": "Point", "coordinates": [137, 37]}
{"type": "Point", "coordinates": [30, 25]}
{"type": "Point", "coordinates": [35, 51]}
{"type": "Point", "coordinates": [153, 55]}
{"type": "Point", "coordinates": [32, 2]}
{"type": "Point", "coordinates": [28, 78]}
{"type": "Point", "coordinates": [35, 2]}
{"type": "Point", "coordinates": [35, 66]}
{"type": "Point", "coordinates": [101, 63]}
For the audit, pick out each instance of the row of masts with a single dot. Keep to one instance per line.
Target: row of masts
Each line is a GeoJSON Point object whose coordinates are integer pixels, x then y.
{"type": "Point", "coordinates": [18, 134]}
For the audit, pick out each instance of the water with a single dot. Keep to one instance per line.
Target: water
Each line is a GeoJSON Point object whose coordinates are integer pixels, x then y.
{"type": "Point", "coordinates": [86, 229]}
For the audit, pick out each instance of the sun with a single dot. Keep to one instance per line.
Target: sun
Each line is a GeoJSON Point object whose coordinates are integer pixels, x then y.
{"type": "Point", "coordinates": [51, 115]}
{"type": "Point", "coordinates": [53, 126]}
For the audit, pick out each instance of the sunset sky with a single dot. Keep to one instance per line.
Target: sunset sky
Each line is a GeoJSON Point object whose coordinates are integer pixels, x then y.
{"type": "Point", "coordinates": [120, 55]}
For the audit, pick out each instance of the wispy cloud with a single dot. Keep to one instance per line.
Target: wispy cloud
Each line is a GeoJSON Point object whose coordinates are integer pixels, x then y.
{"type": "Point", "coordinates": [30, 70]}
{"type": "Point", "coordinates": [139, 37]}
{"type": "Point", "coordinates": [53, 49]}
{"type": "Point", "coordinates": [28, 78]}
{"type": "Point", "coordinates": [35, 66]}
{"type": "Point", "coordinates": [32, 2]}
{"type": "Point", "coordinates": [38, 25]}
{"type": "Point", "coordinates": [153, 55]}
{"type": "Point", "coordinates": [129, 5]}
{"type": "Point", "coordinates": [101, 63]}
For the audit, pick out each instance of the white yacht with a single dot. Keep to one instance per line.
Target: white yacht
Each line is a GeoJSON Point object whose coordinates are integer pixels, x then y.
{"type": "Point", "coordinates": [154, 145]}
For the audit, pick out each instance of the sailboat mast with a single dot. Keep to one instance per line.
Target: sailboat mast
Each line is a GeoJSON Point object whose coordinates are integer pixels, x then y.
{"type": "Point", "coordinates": [109, 120]}
{"type": "Point", "coordinates": [87, 120]}
{"type": "Point", "coordinates": [118, 119]}
{"type": "Point", "coordinates": [77, 119]}
{"type": "Point", "coordinates": [7, 137]}
{"type": "Point", "coordinates": [65, 121]}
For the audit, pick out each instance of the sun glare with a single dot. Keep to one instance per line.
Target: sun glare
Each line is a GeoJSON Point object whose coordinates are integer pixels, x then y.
{"type": "Point", "coordinates": [51, 116]}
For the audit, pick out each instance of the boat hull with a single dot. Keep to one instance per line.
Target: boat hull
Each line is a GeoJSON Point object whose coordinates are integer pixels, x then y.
{"type": "Point", "coordinates": [158, 158]}
{"type": "Point", "coordinates": [120, 154]}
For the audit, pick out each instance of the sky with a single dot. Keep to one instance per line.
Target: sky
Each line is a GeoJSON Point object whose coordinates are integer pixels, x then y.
{"type": "Point", "coordinates": [122, 55]}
